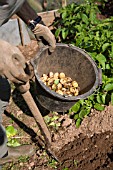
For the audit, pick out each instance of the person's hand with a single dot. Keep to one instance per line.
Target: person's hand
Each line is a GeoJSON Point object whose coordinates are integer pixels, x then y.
{"type": "Point", "coordinates": [43, 31]}
{"type": "Point", "coordinates": [12, 63]}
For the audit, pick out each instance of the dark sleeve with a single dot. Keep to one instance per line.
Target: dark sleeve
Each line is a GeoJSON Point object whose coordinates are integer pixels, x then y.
{"type": "Point", "coordinates": [27, 13]}
{"type": "Point", "coordinates": [8, 8]}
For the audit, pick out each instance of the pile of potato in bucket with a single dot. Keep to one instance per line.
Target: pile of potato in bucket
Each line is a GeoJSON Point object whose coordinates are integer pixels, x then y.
{"type": "Point", "coordinates": [61, 84]}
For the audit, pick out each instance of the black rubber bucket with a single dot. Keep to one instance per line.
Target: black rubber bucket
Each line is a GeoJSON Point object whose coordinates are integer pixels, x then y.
{"type": "Point", "coordinates": [75, 63]}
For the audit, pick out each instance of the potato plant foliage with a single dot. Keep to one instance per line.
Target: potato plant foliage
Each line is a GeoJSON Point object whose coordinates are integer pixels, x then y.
{"type": "Point", "coordinates": [78, 25]}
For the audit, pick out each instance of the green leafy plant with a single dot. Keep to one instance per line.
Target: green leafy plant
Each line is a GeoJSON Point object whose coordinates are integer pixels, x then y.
{"type": "Point", "coordinates": [52, 121]}
{"type": "Point", "coordinates": [75, 163]}
{"type": "Point", "coordinates": [23, 159]}
{"type": "Point", "coordinates": [11, 132]}
{"type": "Point", "coordinates": [52, 163]}
{"type": "Point", "coordinates": [65, 169]}
{"type": "Point", "coordinates": [78, 25]}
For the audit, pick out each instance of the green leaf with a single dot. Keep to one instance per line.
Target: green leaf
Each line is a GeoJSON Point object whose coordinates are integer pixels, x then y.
{"type": "Point", "coordinates": [88, 111]}
{"type": "Point", "coordinates": [109, 87]}
{"type": "Point", "coordinates": [92, 16]}
{"type": "Point", "coordinates": [111, 54]}
{"type": "Point", "coordinates": [73, 5]}
{"type": "Point", "coordinates": [108, 66]}
{"type": "Point", "coordinates": [76, 116]}
{"type": "Point", "coordinates": [85, 18]}
{"type": "Point", "coordinates": [13, 143]}
{"type": "Point", "coordinates": [91, 97]}
{"type": "Point", "coordinates": [104, 98]}
{"type": "Point", "coordinates": [11, 131]}
{"type": "Point", "coordinates": [88, 9]}
{"type": "Point", "coordinates": [57, 32]}
{"type": "Point", "coordinates": [112, 98]}
{"type": "Point", "coordinates": [93, 55]}
{"type": "Point", "coordinates": [102, 59]}
{"type": "Point", "coordinates": [64, 33]}
{"type": "Point", "coordinates": [88, 102]}
{"type": "Point", "coordinates": [78, 27]}
{"type": "Point", "coordinates": [58, 124]}
{"type": "Point", "coordinates": [78, 122]}
{"type": "Point", "coordinates": [56, 81]}
{"type": "Point", "coordinates": [52, 124]}
{"type": "Point", "coordinates": [81, 101]}
{"type": "Point", "coordinates": [65, 169]}
{"type": "Point", "coordinates": [99, 99]}
{"type": "Point", "coordinates": [47, 119]}
{"type": "Point", "coordinates": [67, 23]}
{"type": "Point", "coordinates": [82, 113]}
{"type": "Point", "coordinates": [105, 46]}
{"type": "Point", "coordinates": [54, 118]}
{"type": "Point", "coordinates": [99, 107]}
{"type": "Point", "coordinates": [77, 9]}
{"type": "Point", "coordinates": [64, 15]}
{"type": "Point", "coordinates": [97, 36]}
{"type": "Point", "coordinates": [75, 108]}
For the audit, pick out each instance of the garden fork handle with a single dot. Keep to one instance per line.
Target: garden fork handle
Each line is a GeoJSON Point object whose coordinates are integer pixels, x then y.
{"type": "Point", "coordinates": [37, 116]}
{"type": "Point", "coordinates": [39, 119]}
{"type": "Point", "coordinates": [24, 90]}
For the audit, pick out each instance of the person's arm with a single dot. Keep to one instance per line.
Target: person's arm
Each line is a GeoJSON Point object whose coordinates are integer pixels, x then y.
{"type": "Point", "coordinates": [12, 63]}
{"type": "Point", "coordinates": [31, 18]}
{"type": "Point", "coordinates": [26, 13]}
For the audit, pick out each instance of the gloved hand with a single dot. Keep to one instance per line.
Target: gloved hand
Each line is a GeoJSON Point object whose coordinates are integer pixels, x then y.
{"type": "Point", "coordinates": [12, 63]}
{"type": "Point", "coordinates": [43, 31]}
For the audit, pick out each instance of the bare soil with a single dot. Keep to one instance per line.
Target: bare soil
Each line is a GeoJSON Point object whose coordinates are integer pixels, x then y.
{"type": "Point", "coordinates": [88, 147]}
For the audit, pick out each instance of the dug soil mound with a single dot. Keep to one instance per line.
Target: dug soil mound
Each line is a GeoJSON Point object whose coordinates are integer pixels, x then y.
{"type": "Point", "coordinates": [88, 147]}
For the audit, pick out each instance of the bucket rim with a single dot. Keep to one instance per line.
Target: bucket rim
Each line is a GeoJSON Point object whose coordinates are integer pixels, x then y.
{"type": "Point", "coordinates": [61, 97]}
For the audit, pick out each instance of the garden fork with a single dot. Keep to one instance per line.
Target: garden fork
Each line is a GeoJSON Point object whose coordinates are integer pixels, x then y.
{"type": "Point", "coordinates": [38, 118]}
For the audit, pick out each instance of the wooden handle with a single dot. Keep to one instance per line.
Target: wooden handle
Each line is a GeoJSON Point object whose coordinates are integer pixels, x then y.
{"type": "Point", "coordinates": [37, 116]}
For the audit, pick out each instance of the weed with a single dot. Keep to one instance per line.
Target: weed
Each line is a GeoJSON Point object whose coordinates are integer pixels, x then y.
{"type": "Point", "coordinates": [65, 169]}
{"type": "Point", "coordinates": [75, 163]}
{"type": "Point", "coordinates": [53, 163]}
{"type": "Point", "coordinates": [11, 132]}
{"type": "Point", "coordinates": [23, 159]}
{"type": "Point", "coordinates": [53, 121]}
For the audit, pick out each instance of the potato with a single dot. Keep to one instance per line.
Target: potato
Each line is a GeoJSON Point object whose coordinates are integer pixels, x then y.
{"type": "Point", "coordinates": [50, 74]}
{"type": "Point", "coordinates": [61, 75]}
{"type": "Point", "coordinates": [61, 84]}
{"type": "Point", "coordinates": [74, 84]}
{"type": "Point", "coordinates": [56, 75]}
